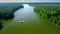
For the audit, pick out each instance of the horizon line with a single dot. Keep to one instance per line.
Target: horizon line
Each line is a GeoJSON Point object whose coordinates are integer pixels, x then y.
{"type": "Point", "coordinates": [29, 2]}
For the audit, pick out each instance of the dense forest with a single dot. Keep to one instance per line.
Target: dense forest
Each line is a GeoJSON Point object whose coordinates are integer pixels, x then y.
{"type": "Point", "coordinates": [51, 12]}
{"type": "Point", "coordinates": [7, 10]}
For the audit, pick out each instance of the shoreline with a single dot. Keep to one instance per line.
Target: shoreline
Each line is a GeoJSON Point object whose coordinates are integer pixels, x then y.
{"type": "Point", "coordinates": [9, 15]}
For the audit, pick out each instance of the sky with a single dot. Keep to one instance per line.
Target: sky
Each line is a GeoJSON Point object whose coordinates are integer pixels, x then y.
{"type": "Point", "coordinates": [29, 0]}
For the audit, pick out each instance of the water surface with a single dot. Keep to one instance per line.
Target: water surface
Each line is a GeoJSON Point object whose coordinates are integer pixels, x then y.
{"type": "Point", "coordinates": [26, 14]}
{"type": "Point", "coordinates": [32, 25]}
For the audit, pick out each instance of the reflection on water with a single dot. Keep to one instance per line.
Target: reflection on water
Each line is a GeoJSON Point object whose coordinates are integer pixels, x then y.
{"type": "Point", "coordinates": [26, 5]}
{"type": "Point", "coordinates": [26, 14]}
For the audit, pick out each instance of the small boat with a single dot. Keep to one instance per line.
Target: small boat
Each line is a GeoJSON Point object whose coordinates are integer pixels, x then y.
{"type": "Point", "coordinates": [21, 21]}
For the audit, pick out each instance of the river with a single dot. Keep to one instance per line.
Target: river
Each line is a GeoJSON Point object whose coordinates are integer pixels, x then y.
{"type": "Point", "coordinates": [26, 14]}
{"type": "Point", "coordinates": [32, 23]}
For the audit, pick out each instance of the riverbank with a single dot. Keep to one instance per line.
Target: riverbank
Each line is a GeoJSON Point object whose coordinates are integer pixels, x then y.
{"type": "Point", "coordinates": [33, 23]}
{"type": "Point", "coordinates": [7, 10]}
{"type": "Point", "coordinates": [49, 12]}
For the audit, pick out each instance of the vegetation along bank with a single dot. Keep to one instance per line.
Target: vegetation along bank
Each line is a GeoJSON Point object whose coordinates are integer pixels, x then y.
{"type": "Point", "coordinates": [51, 12]}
